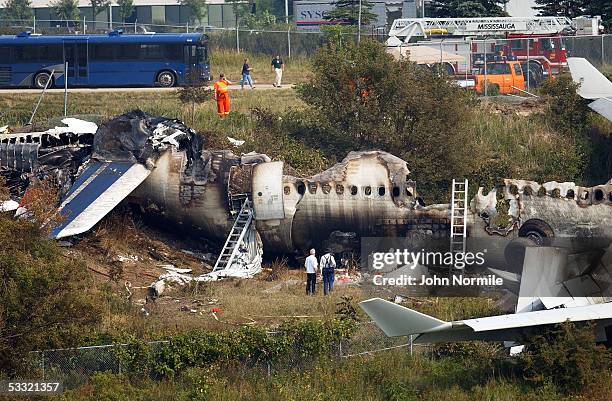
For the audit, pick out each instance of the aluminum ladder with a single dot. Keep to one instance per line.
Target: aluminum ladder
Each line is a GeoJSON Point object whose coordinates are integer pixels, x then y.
{"type": "Point", "coordinates": [459, 207]}
{"type": "Point", "coordinates": [235, 237]}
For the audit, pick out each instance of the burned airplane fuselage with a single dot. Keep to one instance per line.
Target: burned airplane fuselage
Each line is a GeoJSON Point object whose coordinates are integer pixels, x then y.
{"type": "Point", "coordinates": [550, 210]}
{"type": "Point", "coordinates": [164, 166]}
{"type": "Point", "coordinates": [368, 193]}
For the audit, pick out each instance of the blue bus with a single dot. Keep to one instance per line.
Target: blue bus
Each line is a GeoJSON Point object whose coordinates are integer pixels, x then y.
{"type": "Point", "coordinates": [159, 59]}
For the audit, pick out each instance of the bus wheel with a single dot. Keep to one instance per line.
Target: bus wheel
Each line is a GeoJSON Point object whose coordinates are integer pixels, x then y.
{"type": "Point", "coordinates": [41, 79]}
{"type": "Point", "coordinates": [166, 79]}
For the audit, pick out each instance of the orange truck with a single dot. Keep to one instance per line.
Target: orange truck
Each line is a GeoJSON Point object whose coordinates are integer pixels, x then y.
{"type": "Point", "coordinates": [504, 77]}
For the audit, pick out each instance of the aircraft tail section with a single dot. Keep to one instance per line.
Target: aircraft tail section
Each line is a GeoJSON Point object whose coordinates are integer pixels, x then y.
{"type": "Point", "coordinates": [396, 320]}
{"type": "Point", "coordinates": [593, 84]}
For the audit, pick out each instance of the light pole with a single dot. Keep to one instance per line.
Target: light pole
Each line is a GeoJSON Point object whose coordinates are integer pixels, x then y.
{"type": "Point", "coordinates": [359, 24]}
{"type": "Point", "coordinates": [287, 12]}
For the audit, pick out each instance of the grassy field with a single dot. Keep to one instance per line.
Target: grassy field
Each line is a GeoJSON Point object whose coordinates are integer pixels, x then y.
{"type": "Point", "coordinates": [297, 69]}
{"type": "Point", "coordinates": [19, 108]}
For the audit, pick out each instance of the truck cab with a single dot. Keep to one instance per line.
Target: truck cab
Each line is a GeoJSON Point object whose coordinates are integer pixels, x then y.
{"type": "Point", "coordinates": [504, 77]}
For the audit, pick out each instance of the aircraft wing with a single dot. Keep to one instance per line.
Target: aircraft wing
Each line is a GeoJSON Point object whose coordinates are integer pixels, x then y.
{"type": "Point", "coordinates": [396, 320]}
{"type": "Point", "coordinates": [593, 85]}
{"type": "Point", "coordinates": [98, 190]}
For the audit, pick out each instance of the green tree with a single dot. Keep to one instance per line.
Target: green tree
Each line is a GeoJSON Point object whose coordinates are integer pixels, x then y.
{"type": "Point", "coordinates": [466, 8]}
{"type": "Point", "coordinates": [45, 300]}
{"type": "Point", "coordinates": [197, 10]}
{"type": "Point", "coordinates": [361, 99]}
{"type": "Point", "coordinates": [566, 355]}
{"type": "Point", "coordinates": [66, 10]}
{"type": "Point", "coordinates": [97, 6]}
{"type": "Point", "coordinates": [126, 8]}
{"type": "Point", "coordinates": [562, 8]}
{"type": "Point", "coordinates": [602, 8]}
{"type": "Point", "coordinates": [347, 12]}
{"type": "Point", "coordinates": [17, 10]}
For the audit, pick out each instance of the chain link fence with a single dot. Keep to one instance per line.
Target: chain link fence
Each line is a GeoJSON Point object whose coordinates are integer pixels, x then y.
{"type": "Point", "coordinates": [539, 57]}
{"type": "Point", "coordinates": [74, 366]}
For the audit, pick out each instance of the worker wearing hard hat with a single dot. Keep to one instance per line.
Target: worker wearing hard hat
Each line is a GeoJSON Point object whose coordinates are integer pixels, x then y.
{"type": "Point", "coordinates": [222, 96]}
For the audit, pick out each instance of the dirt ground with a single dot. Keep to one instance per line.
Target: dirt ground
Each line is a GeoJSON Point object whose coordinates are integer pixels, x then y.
{"type": "Point", "coordinates": [125, 256]}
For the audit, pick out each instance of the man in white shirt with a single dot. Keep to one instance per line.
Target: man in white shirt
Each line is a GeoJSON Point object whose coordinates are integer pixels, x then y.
{"type": "Point", "coordinates": [328, 264]}
{"type": "Point", "coordinates": [311, 265]}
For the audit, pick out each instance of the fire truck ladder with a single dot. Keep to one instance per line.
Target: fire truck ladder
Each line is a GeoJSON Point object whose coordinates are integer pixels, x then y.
{"type": "Point", "coordinates": [459, 206]}
{"type": "Point", "coordinates": [235, 237]}
{"type": "Point", "coordinates": [423, 27]}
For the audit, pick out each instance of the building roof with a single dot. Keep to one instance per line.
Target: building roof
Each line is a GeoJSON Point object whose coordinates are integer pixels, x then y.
{"type": "Point", "coordinates": [86, 3]}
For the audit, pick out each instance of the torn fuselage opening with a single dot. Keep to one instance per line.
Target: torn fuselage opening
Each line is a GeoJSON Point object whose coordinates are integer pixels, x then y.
{"type": "Point", "coordinates": [42, 156]}
{"type": "Point", "coordinates": [567, 210]}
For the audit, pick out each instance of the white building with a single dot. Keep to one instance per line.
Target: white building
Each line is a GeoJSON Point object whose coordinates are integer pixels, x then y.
{"type": "Point", "coordinates": [164, 12]}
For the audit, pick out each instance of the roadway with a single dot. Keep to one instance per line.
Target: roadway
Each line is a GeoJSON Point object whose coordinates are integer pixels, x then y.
{"type": "Point", "coordinates": [131, 89]}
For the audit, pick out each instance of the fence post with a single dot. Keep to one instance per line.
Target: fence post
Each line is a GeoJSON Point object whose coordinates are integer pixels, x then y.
{"type": "Point", "coordinates": [411, 343]}
{"type": "Point", "coordinates": [187, 26]}
{"type": "Point", "coordinates": [289, 41]}
{"type": "Point", "coordinates": [34, 27]}
{"type": "Point", "coordinates": [43, 364]}
{"type": "Point", "coordinates": [65, 89]}
{"type": "Point", "coordinates": [603, 60]}
{"type": "Point", "coordinates": [84, 26]}
{"type": "Point", "coordinates": [237, 37]}
{"type": "Point", "coordinates": [527, 65]}
{"type": "Point", "coordinates": [486, 82]}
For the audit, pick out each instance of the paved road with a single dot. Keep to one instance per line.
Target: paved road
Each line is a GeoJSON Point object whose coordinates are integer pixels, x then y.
{"type": "Point", "coordinates": [106, 90]}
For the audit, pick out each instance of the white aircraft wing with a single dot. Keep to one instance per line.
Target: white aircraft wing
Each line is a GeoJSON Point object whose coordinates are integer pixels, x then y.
{"type": "Point", "coordinates": [593, 85]}
{"type": "Point", "coordinates": [97, 191]}
{"type": "Point", "coordinates": [395, 320]}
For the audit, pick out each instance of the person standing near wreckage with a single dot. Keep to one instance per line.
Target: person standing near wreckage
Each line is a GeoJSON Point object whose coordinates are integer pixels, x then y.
{"type": "Point", "coordinates": [311, 265]}
{"type": "Point", "coordinates": [328, 264]}
{"type": "Point", "coordinates": [222, 96]}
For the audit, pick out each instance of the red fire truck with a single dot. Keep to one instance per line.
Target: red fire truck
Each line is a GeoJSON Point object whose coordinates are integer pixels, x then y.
{"type": "Point", "coordinates": [535, 41]}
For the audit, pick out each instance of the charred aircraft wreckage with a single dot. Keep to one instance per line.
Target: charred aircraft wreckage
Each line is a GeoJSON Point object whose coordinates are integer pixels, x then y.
{"type": "Point", "coordinates": [253, 203]}
{"type": "Point", "coordinates": [164, 166]}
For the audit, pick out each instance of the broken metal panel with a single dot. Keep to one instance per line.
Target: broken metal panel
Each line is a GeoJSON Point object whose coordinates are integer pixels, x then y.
{"type": "Point", "coordinates": [267, 192]}
{"type": "Point", "coordinates": [570, 210]}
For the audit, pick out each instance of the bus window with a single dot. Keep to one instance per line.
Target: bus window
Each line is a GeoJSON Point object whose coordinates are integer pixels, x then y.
{"type": "Point", "coordinates": [173, 52]}
{"type": "Point", "coordinates": [5, 53]}
{"type": "Point", "coordinates": [202, 55]}
{"type": "Point", "coordinates": [151, 52]}
{"type": "Point", "coordinates": [37, 53]}
{"type": "Point", "coordinates": [103, 52]}
{"type": "Point", "coordinates": [129, 52]}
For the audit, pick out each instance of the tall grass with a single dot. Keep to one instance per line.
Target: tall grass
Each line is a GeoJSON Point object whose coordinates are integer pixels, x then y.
{"type": "Point", "coordinates": [390, 376]}
{"type": "Point", "coordinates": [297, 68]}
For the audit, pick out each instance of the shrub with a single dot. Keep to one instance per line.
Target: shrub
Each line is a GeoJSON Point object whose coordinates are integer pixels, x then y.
{"type": "Point", "coordinates": [297, 341]}
{"type": "Point", "coordinates": [362, 99]}
{"type": "Point", "coordinates": [566, 355]}
{"type": "Point", "coordinates": [45, 300]}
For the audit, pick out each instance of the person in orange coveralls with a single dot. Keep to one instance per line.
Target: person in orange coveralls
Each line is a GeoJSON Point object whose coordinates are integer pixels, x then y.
{"type": "Point", "coordinates": [222, 96]}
